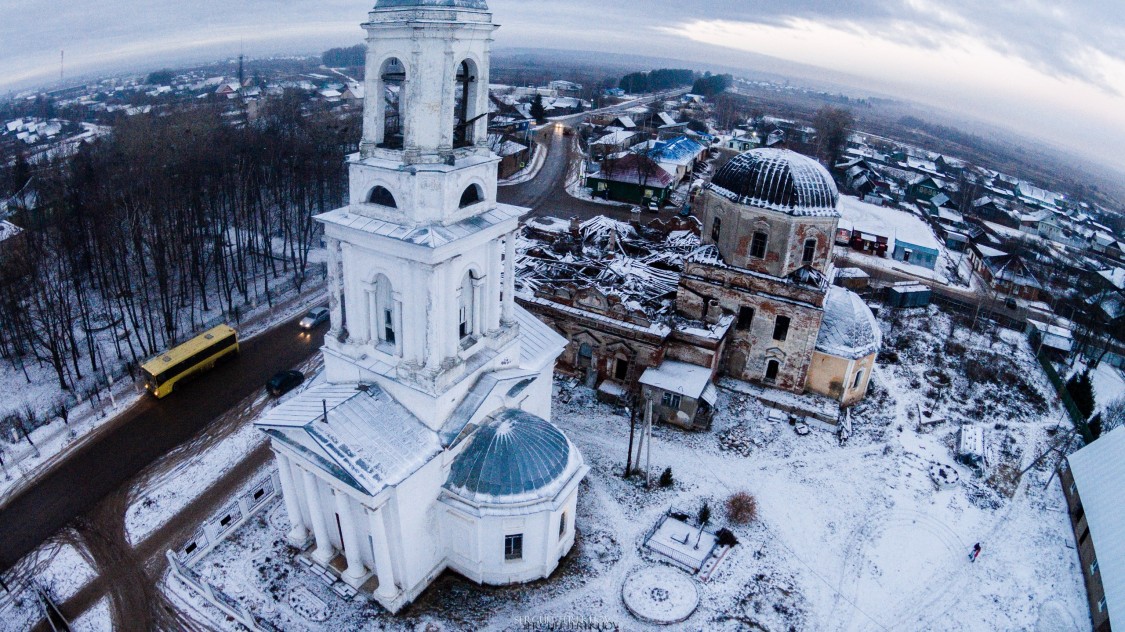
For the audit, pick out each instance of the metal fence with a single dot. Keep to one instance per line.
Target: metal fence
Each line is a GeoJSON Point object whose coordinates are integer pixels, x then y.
{"type": "Point", "coordinates": [1076, 416]}
{"type": "Point", "coordinates": [688, 563]}
{"type": "Point", "coordinates": [217, 598]}
{"type": "Point", "coordinates": [213, 531]}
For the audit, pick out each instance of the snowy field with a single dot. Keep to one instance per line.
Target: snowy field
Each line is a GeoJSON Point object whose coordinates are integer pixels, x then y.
{"type": "Point", "coordinates": [850, 537]}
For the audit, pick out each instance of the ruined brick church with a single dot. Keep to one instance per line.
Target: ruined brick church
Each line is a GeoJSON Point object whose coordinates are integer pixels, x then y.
{"type": "Point", "coordinates": [753, 301]}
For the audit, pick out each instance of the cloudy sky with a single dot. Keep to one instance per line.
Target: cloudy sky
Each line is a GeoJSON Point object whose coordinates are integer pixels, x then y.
{"type": "Point", "coordinates": [1049, 69]}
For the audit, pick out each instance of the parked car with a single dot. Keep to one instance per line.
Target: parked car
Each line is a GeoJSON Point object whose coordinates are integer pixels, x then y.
{"type": "Point", "coordinates": [315, 317]}
{"type": "Point", "coordinates": [284, 382]}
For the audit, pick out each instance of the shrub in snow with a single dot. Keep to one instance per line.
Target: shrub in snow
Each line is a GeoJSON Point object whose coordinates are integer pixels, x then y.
{"type": "Point", "coordinates": [666, 479]}
{"type": "Point", "coordinates": [1081, 390]}
{"type": "Point", "coordinates": [704, 514]}
{"type": "Point", "coordinates": [742, 508]}
{"type": "Point", "coordinates": [726, 537]}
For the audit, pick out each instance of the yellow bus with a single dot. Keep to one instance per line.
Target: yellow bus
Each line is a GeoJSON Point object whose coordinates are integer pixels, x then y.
{"type": "Point", "coordinates": [194, 356]}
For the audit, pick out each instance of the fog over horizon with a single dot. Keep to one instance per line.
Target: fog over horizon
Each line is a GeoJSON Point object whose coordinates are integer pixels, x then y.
{"type": "Point", "coordinates": [1053, 72]}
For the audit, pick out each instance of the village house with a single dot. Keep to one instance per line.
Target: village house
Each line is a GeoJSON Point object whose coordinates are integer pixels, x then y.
{"type": "Point", "coordinates": [1093, 481]}
{"type": "Point", "coordinates": [631, 177]}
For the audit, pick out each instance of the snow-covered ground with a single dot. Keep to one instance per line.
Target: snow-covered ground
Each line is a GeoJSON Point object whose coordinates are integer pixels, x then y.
{"type": "Point", "coordinates": [59, 568]}
{"type": "Point", "coordinates": [852, 537]}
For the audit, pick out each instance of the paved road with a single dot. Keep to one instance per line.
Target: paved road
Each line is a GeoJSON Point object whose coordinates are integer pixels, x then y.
{"type": "Point", "coordinates": [145, 432]}
{"type": "Point", "coordinates": [546, 193]}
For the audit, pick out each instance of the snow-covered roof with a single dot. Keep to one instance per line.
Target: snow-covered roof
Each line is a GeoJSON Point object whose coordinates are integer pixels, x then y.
{"type": "Point", "coordinates": [851, 273]}
{"type": "Point", "coordinates": [893, 224]}
{"type": "Point", "coordinates": [1099, 474]}
{"type": "Point", "coordinates": [678, 151]}
{"type": "Point", "coordinates": [8, 230]}
{"type": "Point", "coordinates": [430, 235]}
{"type": "Point", "coordinates": [539, 344]}
{"type": "Point", "coordinates": [681, 378]}
{"type": "Point", "coordinates": [1116, 276]}
{"type": "Point", "coordinates": [780, 180]}
{"type": "Point", "coordinates": [849, 329]}
{"type": "Point", "coordinates": [619, 137]}
{"type": "Point", "coordinates": [515, 457]}
{"type": "Point", "coordinates": [370, 441]}
{"type": "Point", "coordinates": [1054, 336]}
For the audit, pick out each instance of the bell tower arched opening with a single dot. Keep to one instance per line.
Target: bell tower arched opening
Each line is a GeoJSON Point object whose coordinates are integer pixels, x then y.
{"type": "Point", "coordinates": [390, 97]}
{"type": "Point", "coordinates": [466, 97]}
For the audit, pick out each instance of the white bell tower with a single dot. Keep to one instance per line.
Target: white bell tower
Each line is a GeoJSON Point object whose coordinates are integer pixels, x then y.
{"type": "Point", "coordinates": [421, 259]}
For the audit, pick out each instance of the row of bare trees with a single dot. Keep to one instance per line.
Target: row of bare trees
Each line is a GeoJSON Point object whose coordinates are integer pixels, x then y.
{"type": "Point", "coordinates": [172, 221]}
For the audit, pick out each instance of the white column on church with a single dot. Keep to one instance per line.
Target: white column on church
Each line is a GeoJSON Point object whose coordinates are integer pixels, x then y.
{"type": "Point", "coordinates": [324, 551]}
{"type": "Point", "coordinates": [435, 295]}
{"type": "Point", "coordinates": [478, 306]}
{"type": "Point", "coordinates": [335, 287]}
{"type": "Point", "coordinates": [509, 276]}
{"type": "Point", "coordinates": [396, 322]}
{"type": "Point", "coordinates": [355, 570]}
{"type": "Point", "coordinates": [492, 302]}
{"type": "Point", "coordinates": [382, 554]}
{"type": "Point", "coordinates": [298, 533]}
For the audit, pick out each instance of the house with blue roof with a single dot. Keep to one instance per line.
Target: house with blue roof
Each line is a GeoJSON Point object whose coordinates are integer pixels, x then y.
{"type": "Point", "coordinates": [678, 156]}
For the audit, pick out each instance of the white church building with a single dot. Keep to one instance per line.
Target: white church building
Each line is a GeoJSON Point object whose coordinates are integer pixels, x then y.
{"type": "Point", "coordinates": [429, 447]}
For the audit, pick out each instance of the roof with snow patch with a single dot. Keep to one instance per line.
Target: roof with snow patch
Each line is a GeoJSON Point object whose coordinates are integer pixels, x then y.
{"type": "Point", "coordinates": [1099, 474]}
{"type": "Point", "coordinates": [849, 329]}
{"type": "Point", "coordinates": [369, 440]}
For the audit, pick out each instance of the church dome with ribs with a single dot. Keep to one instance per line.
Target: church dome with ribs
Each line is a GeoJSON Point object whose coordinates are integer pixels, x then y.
{"type": "Point", "coordinates": [779, 180]}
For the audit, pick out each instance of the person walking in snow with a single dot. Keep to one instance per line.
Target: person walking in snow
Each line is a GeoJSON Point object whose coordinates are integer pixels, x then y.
{"type": "Point", "coordinates": [976, 552]}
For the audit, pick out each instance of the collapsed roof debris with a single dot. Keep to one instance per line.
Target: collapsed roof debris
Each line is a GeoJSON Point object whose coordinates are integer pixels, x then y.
{"type": "Point", "coordinates": [638, 267]}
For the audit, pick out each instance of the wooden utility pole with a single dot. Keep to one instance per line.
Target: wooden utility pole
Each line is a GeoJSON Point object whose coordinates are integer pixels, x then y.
{"type": "Point", "coordinates": [648, 439]}
{"type": "Point", "coordinates": [632, 428]}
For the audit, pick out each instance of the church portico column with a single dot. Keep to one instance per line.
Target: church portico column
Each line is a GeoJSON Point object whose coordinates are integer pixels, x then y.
{"type": "Point", "coordinates": [396, 323]}
{"type": "Point", "coordinates": [324, 551]}
{"type": "Point", "coordinates": [335, 287]}
{"type": "Point", "coordinates": [492, 302]}
{"type": "Point", "coordinates": [509, 276]}
{"type": "Point", "coordinates": [298, 533]}
{"type": "Point", "coordinates": [478, 306]}
{"type": "Point", "coordinates": [355, 570]}
{"type": "Point", "coordinates": [382, 553]}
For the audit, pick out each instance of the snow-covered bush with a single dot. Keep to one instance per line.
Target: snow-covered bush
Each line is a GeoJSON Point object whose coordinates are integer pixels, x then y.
{"type": "Point", "coordinates": [742, 508]}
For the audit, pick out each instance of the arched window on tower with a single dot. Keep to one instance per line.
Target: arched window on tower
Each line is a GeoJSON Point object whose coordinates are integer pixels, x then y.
{"type": "Point", "coordinates": [810, 251]}
{"type": "Point", "coordinates": [392, 79]}
{"type": "Point", "coordinates": [382, 311]}
{"type": "Point", "coordinates": [773, 367]}
{"type": "Point", "coordinates": [464, 108]}
{"type": "Point", "coordinates": [382, 197]}
{"type": "Point", "coordinates": [716, 229]}
{"type": "Point", "coordinates": [472, 195]}
{"type": "Point", "coordinates": [467, 308]}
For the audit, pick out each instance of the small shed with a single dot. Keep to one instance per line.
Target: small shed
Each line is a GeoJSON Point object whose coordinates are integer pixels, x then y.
{"type": "Point", "coordinates": [852, 278]}
{"type": "Point", "coordinates": [908, 295]}
{"type": "Point", "coordinates": [970, 444]}
{"type": "Point", "coordinates": [681, 393]}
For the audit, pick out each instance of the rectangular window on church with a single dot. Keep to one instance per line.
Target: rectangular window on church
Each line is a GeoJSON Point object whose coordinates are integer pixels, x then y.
{"type": "Point", "coordinates": [810, 251]}
{"type": "Point", "coordinates": [745, 317]}
{"type": "Point", "coordinates": [781, 328]}
{"type": "Point", "coordinates": [513, 547]}
{"type": "Point", "coordinates": [388, 326]}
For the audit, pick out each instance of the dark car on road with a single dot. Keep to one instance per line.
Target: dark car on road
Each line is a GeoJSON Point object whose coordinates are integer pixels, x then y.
{"type": "Point", "coordinates": [284, 382]}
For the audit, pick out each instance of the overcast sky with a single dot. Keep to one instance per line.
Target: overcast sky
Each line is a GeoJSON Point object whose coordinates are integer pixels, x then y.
{"type": "Point", "coordinates": [1051, 69]}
